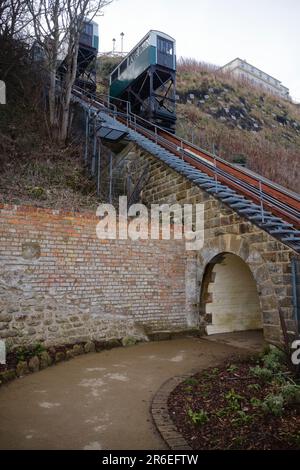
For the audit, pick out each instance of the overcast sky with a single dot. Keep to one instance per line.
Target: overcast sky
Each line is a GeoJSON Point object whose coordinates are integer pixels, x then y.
{"type": "Point", "coordinates": [264, 32]}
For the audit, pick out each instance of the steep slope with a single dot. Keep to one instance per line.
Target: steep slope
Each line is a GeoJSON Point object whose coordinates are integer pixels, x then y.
{"type": "Point", "coordinates": [34, 170]}
{"type": "Point", "coordinates": [243, 123]}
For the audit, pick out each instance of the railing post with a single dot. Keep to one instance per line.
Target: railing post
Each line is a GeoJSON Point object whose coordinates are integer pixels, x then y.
{"type": "Point", "coordinates": [87, 119]}
{"type": "Point", "coordinates": [296, 290]}
{"type": "Point", "coordinates": [110, 177]}
{"type": "Point", "coordinates": [261, 202]}
{"type": "Point", "coordinates": [215, 165]}
{"type": "Point", "coordinates": [93, 166]}
{"type": "Point", "coordinates": [99, 168]}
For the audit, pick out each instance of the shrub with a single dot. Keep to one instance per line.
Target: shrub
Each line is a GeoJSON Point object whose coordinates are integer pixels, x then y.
{"type": "Point", "coordinates": [24, 353]}
{"type": "Point", "coordinates": [291, 393]}
{"type": "Point", "coordinates": [255, 402]}
{"type": "Point", "coordinates": [239, 159]}
{"type": "Point", "coordinates": [262, 373]}
{"type": "Point", "coordinates": [242, 418]}
{"type": "Point", "coordinates": [255, 387]}
{"type": "Point", "coordinates": [274, 360]}
{"type": "Point", "coordinates": [198, 417]}
{"type": "Point", "coordinates": [234, 400]}
{"type": "Point", "coordinates": [37, 192]}
{"type": "Point", "coordinates": [191, 381]}
{"type": "Point", "coordinates": [232, 368]}
{"type": "Point", "coordinates": [279, 379]}
{"type": "Point", "coordinates": [273, 404]}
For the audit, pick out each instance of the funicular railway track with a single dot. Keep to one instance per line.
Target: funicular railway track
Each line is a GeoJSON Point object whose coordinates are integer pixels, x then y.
{"type": "Point", "coordinates": [280, 201]}
{"type": "Point", "coordinates": [263, 202]}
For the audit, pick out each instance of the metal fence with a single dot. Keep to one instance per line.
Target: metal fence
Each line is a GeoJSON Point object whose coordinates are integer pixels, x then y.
{"type": "Point", "coordinates": [296, 288]}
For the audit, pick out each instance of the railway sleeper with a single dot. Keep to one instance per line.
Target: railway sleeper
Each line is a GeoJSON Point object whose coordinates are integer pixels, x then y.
{"type": "Point", "coordinates": [291, 239]}
{"type": "Point", "coordinates": [282, 231]}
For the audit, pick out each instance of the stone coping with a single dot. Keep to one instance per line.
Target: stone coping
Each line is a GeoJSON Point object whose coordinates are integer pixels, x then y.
{"type": "Point", "coordinates": [161, 415]}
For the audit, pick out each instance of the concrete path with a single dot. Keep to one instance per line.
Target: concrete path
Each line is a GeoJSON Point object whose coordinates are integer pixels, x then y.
{"type": "Point", "coordinates": [99, 401]}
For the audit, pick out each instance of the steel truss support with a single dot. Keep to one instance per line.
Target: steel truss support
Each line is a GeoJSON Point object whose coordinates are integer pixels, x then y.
{"type": "Point", "coordinates": [86, 68]}
{"type": "Point", "coordinates": [153, 96]}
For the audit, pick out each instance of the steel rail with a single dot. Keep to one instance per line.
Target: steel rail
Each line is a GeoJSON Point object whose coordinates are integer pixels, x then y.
{"type": "Point", "coordinates": [270, 201]}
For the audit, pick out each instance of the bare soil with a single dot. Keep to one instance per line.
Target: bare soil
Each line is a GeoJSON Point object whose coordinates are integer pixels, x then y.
{"type": "Point", "coordinates": [231, 422]}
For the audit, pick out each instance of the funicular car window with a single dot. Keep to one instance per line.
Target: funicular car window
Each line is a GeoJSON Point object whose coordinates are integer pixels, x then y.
{"type": "Point", "coordinates": [164, 46]}
{"type": "Point", "coordinates": [88, 29]}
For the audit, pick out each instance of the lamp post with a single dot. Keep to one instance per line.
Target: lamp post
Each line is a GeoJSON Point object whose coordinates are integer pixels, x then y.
{"type": "Point", "coordinates": [122, 41]}
{"type": "Point", "coordinates": [114, 45]}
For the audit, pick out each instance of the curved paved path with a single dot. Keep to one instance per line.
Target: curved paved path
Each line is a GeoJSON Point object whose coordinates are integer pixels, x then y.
{"type": "Point", "coordinates": [99, 401]}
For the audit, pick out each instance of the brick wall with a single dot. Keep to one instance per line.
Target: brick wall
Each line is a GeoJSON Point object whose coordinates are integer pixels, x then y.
{"type": "Point", "coordinates": [59, 283]}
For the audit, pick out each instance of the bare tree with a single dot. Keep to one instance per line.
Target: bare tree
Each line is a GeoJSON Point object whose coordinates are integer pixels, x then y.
{"type": "Point", "coordinates": [78, 11]}
{"type": "Point", "coordinates": [14, 22]}
{"type": "Point", "coordinates": [13, 18]}
{"type": "Point", "coordinates": [57, 28]}
{"type": "Point", "coordinates": [49, 34]}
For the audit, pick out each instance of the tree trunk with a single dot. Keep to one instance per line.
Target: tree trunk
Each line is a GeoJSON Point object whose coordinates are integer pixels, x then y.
{"type": "Point", "coordinates": [66, 99]}
{"type": "Point", "coordinates": [52, 104]}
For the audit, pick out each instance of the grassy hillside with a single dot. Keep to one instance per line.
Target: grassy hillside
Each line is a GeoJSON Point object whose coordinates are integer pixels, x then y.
{"type": "Point", "coordinates": [244, 123]}
{"type": "Point", "coordinates": [105, 65]}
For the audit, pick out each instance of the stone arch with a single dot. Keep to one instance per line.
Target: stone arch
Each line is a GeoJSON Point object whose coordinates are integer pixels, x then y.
{"type": "Point", "coordinates": [237, 245]}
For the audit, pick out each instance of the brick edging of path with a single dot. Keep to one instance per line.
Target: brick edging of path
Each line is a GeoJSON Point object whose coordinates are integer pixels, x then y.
{"type": "Point", "coordinates": [162, 418]}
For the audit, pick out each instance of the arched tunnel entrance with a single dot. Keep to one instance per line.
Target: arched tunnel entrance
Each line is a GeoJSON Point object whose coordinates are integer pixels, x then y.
{"type": "Point", "coordinates": [229, 299]}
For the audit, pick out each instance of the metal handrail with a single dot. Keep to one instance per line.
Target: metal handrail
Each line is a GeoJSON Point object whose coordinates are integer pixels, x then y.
{"type": "Point", "coordinates": [218, 171]}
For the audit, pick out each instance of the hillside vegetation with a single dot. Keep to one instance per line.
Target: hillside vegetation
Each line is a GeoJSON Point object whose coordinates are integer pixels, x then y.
{"type": "Point", "coordinates": [34, 169]}
{"type": "Point", "coordinates": [244, 123]}
{"type": "Point", "coordinates": [105, 65]}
